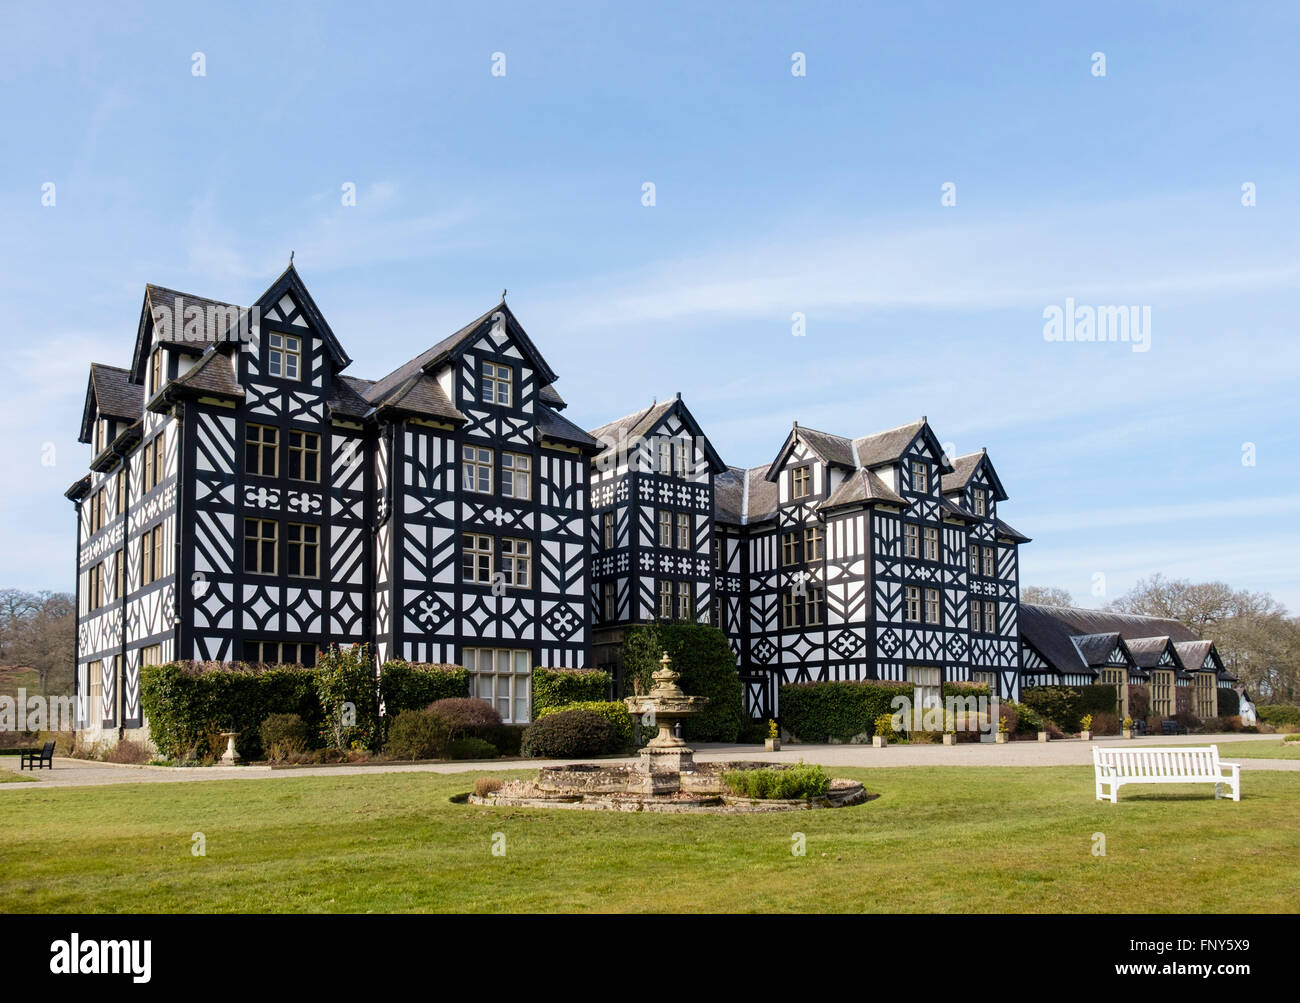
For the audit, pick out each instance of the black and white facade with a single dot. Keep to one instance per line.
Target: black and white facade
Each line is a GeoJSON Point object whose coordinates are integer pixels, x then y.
{"type": "Point", "coordinates": [249, 500]}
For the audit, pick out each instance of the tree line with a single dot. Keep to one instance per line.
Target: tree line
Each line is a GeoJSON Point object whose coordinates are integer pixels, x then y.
{"type": "Point", "coordinates": [1255, 637]}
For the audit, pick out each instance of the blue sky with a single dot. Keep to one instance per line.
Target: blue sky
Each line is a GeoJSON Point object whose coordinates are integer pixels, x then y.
{"type": "Point", "coordinates": [775, 194]}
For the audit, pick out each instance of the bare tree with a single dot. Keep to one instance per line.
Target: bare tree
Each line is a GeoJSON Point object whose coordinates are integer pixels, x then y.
{"type": "Point", "coordinates": [1255, 638]}
{"type": "Point", "coordinates": [36, 629]}
{"type": "Point", "coordinates": [1046, 595]}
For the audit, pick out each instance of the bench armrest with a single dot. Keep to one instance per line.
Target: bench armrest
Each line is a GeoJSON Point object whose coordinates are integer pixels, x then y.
{"type": "Point", "coordinates": [1231, 766]}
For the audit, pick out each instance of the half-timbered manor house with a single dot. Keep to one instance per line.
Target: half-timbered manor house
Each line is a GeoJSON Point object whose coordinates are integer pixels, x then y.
{"type": "Point", "coordinates": [249, 500]}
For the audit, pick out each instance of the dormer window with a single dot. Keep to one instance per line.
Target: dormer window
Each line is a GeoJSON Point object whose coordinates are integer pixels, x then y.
{"type": "Point", "coordinates": [684, 458]}
{"type": "Point", "coordinates": [979, 501]}
{"type": "Point", "coordinates": [920, 477]}
{"type": "Point", "coordinates": [284, 358]}
{"type": "Point", "coordinates": [496, 384]}
{"type": "Point", "coordinates": [800, 482]}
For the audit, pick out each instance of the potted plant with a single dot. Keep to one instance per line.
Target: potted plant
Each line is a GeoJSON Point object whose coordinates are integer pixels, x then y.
{"type": "Point", "coordinates": [1128, 727]}
{"type": "Point", "coordinates": [950, 732]}
{"type": "Point", "coordinates": [1001, 737]}
{"type": "Point", "coordinates": [883, 730]}
{"type": "Point", "coordinates": [773, 741]}
{"type": "Point", "coordinates": [1085, 728]}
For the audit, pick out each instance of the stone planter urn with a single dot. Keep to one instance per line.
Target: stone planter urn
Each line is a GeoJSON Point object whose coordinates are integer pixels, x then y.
{"type": "Point", "coordinates": [879, 741]}
{"type": "Point", "coordinates": [772, 744]}
{"type": "Point", "coordinates": [949, 738]}
{"type": "Point", "coordinates": [1000, 738]}
{"type": "Point", "coordinates": [1128, 732]}
{"type": "Point", "coordinates": [1042, 736]}
{"type": "Point", "coordinates": [1086, 736]}
{"type": "Point", "coordinates": [231, 756]}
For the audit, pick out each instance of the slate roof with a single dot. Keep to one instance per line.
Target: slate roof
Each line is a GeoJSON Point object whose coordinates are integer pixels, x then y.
{"type": "Point", "coordinates": [729, 496]}
{"type": "Point", "coordinates": [348, 397]}
{"type": "Point", "coordinates": [176, 303]}
{"type": "Point", "coordinates": [1052, 637]}
{"type": "Point", "coordinates": [952, 509]}
{"type": "Point", "coordinates": [1192, 653]}
{"type": "Point", "coordinates": [834, 449]}
{"type": "Point", "coordinates": [109, 391]}
{"type": "Point", "coordinates": [437, 354]}
{"type": "Point", "coordinates": [551, 398]}
{"type": "Point", "coordinates": [1146, 651]}
{"type": "Point", "coordinates": [1003, 529]}
{"type": "Point", "coordinates": [634, 424]}
{"type": "Point", "coordinates": [213, 374]}
{"type": "Point", "coordinates": [419, 395]}
{"type": "Point", "coordinates": [886, 447]}
{"type": "Point", "coordinates": [862, 487]}
{"type": "Point", "coordinates": [559, 429]}
{"type": "Point", "coordinates": [963, 468]}
{"type": "Point", "coordinates": [1127, 625]}
{"type": "Point", "coordinates": [1096, 648]}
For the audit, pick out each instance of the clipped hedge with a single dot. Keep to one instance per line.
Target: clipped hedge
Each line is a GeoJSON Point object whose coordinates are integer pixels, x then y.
{"type": "Point", "coordinates": [816, 712]}
{"type": "Point", "coordinates": [1278, 713]}
{"type": "Point", "coordinates": [417, 734]}
{"type": "Point", "coordinates": [703, 656]}
{"type": "Point", "coordinates": [567, 734]}
{"type": "Point", "coordinates": [620, 721]}
{"type": "Point", "coordinates": [555, 688]}
{"type": "Point", "coordinates": [1229, 703]}
{"type": "Point", "coordinates": [188, 704]}
{"type": "Point", "coordinates": [412, 685]}
{"type": "Point", "coordinates": [1061, 705]}
{"type": "Point", "coordinates": [1099, 698]}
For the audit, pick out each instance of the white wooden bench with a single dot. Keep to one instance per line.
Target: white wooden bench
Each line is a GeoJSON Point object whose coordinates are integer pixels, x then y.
{"type": "Point", "coordinates": [1201, 765]}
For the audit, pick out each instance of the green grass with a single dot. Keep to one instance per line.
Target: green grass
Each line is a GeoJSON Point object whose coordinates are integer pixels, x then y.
{"type": "Point", "coordinates": [947, 839]}
{"type": "Point", "coordinates": [1253, 750]}
{"type": "Point", "coordinates": [7, 777]}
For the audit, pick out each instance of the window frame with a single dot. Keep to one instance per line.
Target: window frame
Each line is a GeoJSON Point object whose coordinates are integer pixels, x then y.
{"type": "Point", "coordinates": [305, 451]}
{"type": "Point", "coordinates": [684, 532]}
{"type": "Point", "coordinates": [303, 547]}
{"type": "Point", "coordinates": [264, 446]}
{"type": "Point", "coordinates": [607, 530]}
{"type": "Point", "coordinates": [493, 377]}
{"type": "Point", "coordinates": [261, 543]}
{"type": "Point", "coordinates": [813, 539]}
{"type": "Point", "coordinates": [664, 607]}
{"type": "Point", "coordinates": [912, 603]}
{"type": "Point", "coordinates": [920, 477]}
{"type": "Point", "coordinates": [288, 351]}
{"type": "Point", "coordinates": [930, 543]}
{"type": "Point", "coordinates": [934, 607]}
{"type": "Point", "coordinates": [474, 548]}
{"type": "Point", "coordinates": [665, 535]}
{"type": "Point", "coordinates": [517, 475]}
{"type": "Point", "coordinates": [801, 482]}
{"type": "Point", "coordinates": [517, 562]}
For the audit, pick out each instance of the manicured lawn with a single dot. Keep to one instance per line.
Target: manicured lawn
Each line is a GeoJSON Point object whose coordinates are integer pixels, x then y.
{"type": "Point", "coordinates": [937, 839]}
{"type": "Point", "coordinates": [1254, 750]}
{"type": "Point", "coordinates": [7, 777]}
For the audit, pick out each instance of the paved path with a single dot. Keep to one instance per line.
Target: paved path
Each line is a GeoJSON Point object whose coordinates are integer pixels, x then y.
{"type": "Point", "coordinates": [1067, 752]}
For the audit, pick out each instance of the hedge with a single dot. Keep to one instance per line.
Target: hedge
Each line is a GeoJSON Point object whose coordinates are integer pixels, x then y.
{"type": "Point", "coordinates": [620, 721]}
{"type": "Point", "coordinates": [188, 704]}
{"type": "Point", "coordinates": [1278, 713]}
{"type": "Point", "coordinates": [412, 685]}
{"type": "Point", "coordinates": [707, 665]}
{"type": "Point", "coordinates": [555, 688]}
{"type": "Point", "coordinates": [815, 712]}
{"type": "Point", "coordinates": [1229, 703]}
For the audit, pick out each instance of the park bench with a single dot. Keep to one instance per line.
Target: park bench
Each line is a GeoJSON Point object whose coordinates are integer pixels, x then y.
{"type": "Point", "coordinates": [1172, 727]}
{"type": "Point", "coordinates": [1201, 765]}
{"type": "Point", "coordinates": [31, 759]}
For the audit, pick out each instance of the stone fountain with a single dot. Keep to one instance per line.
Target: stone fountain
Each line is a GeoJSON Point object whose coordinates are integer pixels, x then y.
{"type": "Point", "coordinates": [666, 757]}
{"type": "Point", "coordinates": [665, 776]}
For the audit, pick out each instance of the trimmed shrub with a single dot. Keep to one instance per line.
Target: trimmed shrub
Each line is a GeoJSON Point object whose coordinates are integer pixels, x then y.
{"type": "Point", "coordinates": [1008, 716]}
{"type": "Point", "coordinates": [472, 748]}
{"type": "Point", "coordinates": [1278, 714]}
{"type": "Point", "coordinates": [284, 735]}
{"type": "Point", "coordinates": [702, 655]}
{"type": "Point", "coordinates": [815, 712]}
{"type": "Point", "coordinates": [1028, 719]}
{"type": "Point", "coordinates": [567, 734]}
{"type": "Point", "coordinates": [1061, 705]}
{"type": "Point", "coordinates": [620, 721]}
{"type": "Point", "coordinates": [1229, 703]}
{"type": "Point", "coordinates": [791, 783]}
{"type": "Point", "coordinates": [555, 688]}
{"type": "Point", "coordinates": [1099, 698]}
{"type": "Point", "coordinates": [1293, 737]}
{"type": "Point", "coordinates": [417, 734]}
{"type": "Point", "coordinates": [466, 717]}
